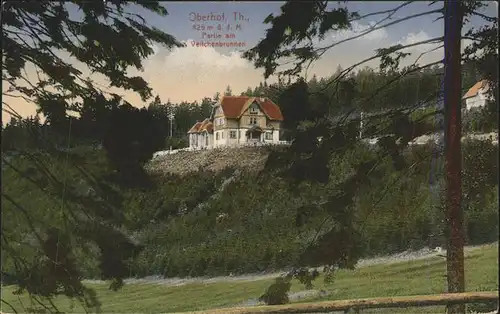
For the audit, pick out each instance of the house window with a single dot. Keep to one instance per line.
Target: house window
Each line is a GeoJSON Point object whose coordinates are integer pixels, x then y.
{"type": "Point", "coordinates": [219, 121]}
{"type": "Point", "coordinates": [217, 136]}
{"type": "Point", "coordinates": [269, 135]}
{"type": "Point", "coordinates": [254, 110]}
{"type": "Point", "coordinates": [206, 139]}
{"type": "Point", "coordinates": [222, 133]}
{"type": "Point", "coordinates": [232, 134]}
{"type": "Point", "coordinates": [253, 120]}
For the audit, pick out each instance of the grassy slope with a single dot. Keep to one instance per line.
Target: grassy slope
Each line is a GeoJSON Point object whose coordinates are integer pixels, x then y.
{"type": "Point", "coordinates": [406, 278]}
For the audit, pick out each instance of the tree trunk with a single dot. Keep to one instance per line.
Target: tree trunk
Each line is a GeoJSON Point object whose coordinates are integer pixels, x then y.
{"type": "Point", "coordinates": [452, 102]}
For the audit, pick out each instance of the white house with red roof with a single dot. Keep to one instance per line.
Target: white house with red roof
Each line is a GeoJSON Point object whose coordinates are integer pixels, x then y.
{"type": "Point", "coordinates": [477, 96]}
{"type": "Point", "coordinates": [238, 121]}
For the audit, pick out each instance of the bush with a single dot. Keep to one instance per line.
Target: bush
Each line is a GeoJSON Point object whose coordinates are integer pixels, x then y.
{"type": "Point", "coordinates": [480, 120]}
{"type": "Point", "coordinates": [277, 293]}
{"type": "Point", "coordinates": [482, 219]}
{"type": "Point", "coordinates": [176, 142]}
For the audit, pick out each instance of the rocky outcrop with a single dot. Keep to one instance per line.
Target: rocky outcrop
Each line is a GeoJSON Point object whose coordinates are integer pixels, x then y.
{"type": "Point", "coordinates": [182, 163]}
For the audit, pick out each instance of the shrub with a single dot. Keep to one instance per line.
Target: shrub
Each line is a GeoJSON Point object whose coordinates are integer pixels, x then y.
{"type": "Point", "coordinates": [480, 120]}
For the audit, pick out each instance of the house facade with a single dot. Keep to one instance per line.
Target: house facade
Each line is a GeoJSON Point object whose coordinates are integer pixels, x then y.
{"type": "Point", "coordinates": [238, 121]}
{"type": "Point", "coordinates": [477, 96]}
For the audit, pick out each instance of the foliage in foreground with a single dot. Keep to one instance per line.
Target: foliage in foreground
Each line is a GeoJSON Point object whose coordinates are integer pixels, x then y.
{"type": "Point", "coordinates": [197, 225]}
{"type": "Point", "coordinates": [104, 38]}
{"type": "Point", "coordinates": [427, 277]}
{"type": "Point", "coordinates": [296, 34]}
{"type": "Point", "coordinates": [91, 213]}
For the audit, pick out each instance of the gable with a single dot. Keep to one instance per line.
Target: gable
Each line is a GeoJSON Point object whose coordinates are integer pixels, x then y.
{"type": "Point", "coordinates": [254, 105]}
{"type": "Point", "coordinates": [252, 108]}
{"type": "Point", "coordinates": [218, 111]}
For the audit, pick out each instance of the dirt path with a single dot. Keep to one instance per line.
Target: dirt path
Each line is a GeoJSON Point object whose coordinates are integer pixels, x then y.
{"type": "Point", "coordinates": [395, 258]}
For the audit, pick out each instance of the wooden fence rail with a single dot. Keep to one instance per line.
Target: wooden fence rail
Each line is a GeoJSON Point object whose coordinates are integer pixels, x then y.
{"type": "Point", "coordinates": [359, 304]}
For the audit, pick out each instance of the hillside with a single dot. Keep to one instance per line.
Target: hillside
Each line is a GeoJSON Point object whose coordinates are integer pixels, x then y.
{"type": "Point", "coordinates": [251, 158]}
{"type": "Point", "coordinates": [209, 213]}
{"type": "Point", "coordinates": [216, 160]}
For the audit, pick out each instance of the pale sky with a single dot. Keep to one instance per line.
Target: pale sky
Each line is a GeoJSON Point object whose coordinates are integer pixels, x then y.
{"type": "Point", "coordinates": [191, 73]}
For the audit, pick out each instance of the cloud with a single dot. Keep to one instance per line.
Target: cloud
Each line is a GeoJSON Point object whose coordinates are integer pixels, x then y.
{"type": "Point", "coordinates": [205, 57]}
{"type": "Point", "coordinates": [358, 28]}
{"type": "Point", "coordinates": [350, 52]}
{"type": "Point", "coordinates": [191, 73]}
{"type": "Point", "coordinates": [431, 50]}
{"type": "Point", "coordinates": [156, 49]}
{"type": "Point", "coordinates": [413, 38]}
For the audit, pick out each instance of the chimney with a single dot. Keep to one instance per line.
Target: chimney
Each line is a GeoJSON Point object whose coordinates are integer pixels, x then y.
{"type": "Point", "coordinates": [262, 98]}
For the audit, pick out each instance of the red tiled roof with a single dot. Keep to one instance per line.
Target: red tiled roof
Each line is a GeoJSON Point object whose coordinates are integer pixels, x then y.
{"type": "Point", "coordinates": [195, 128]}
{"type": "Point", "coordinates": [233, 107]}
{"type": "Point", "coordinates": [475, 89]}
{"type": "Point", "coordinates": [206, 126]}
{"type": "Point", "coordinates": [271, 109]}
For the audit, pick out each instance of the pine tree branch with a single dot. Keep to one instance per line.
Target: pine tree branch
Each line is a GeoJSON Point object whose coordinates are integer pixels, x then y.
{"type": "Point", "coordinates": [389, 12]}
{"type": "Point", "coordinates": [343, 73]}
{"type": "Point", "coordinates": [485, 17]}
{"type": "Point", "coordinates": [322, 50]}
